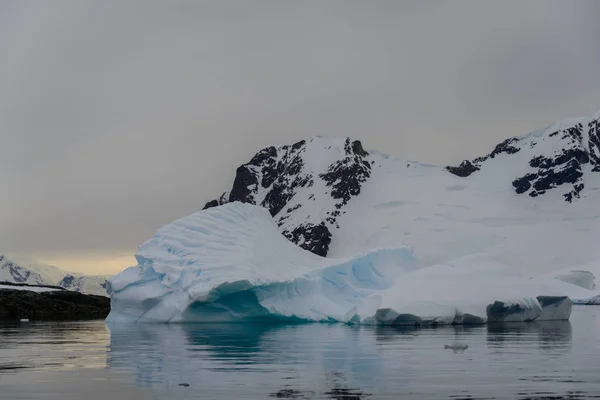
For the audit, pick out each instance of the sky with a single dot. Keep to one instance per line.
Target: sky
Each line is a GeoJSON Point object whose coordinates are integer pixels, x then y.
{"type": "Point", "coordinates": [119, 116]}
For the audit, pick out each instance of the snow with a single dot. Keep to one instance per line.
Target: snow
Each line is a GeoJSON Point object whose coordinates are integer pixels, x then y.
{"type": "Point", "coordinates": [579, 284]}
{"type": "Point", "coordinates": [462, 291]}
{"type": "Point", "coordinates": [444, 217]}
{"type": "Point", "coordinates": [584, 279]}
{"type": "Point", "coordinates": [401, 249]}
{"type": "Point", "coordinates": [230, 263]}
{"type": "Point", "coordinates": [25, 270]}
{"type": "Point", "coordinates": [29, 288]}
{"type": "Point", "coordinates": [14, 273]}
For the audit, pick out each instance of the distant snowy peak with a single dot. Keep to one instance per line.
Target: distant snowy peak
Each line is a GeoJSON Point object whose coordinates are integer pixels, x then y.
{"type": "Point", "coordinates": [558, 156]}
{"type": "Point", "coordinates": [39, 274]}
{"type": "Point", "coordinates": [304, 186]}
{"type": "Point", "coordinates": [14, 273]}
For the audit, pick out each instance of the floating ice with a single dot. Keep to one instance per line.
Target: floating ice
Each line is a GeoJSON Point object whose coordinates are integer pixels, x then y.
{"type": "Point", "coordinates": [230, 263]}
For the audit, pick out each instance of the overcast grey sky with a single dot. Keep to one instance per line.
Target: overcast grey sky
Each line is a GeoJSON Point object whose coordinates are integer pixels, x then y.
{"type": "Point", "coordinates": [118, 116]}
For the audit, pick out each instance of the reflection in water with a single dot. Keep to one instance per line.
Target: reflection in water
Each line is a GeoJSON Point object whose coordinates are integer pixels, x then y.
{"type": "Point", "coordinates": [52, 345]}
{"type": "Point", "coordinates": [549, 335]}
{"type": "Point", "coordinates": [337, 361]}
{"type": "Point", "coordinates": [323, 361]}
{"type": "Point", "coordinates": [163, 356]}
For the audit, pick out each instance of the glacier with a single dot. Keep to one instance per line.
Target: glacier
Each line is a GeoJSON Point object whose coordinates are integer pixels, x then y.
{"type": "Point", "coordinates": [230, 263]}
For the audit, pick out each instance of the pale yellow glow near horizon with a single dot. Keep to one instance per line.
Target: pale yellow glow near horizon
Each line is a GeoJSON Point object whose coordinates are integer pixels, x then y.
{"type": "Point", "coordinates": [90, 264]}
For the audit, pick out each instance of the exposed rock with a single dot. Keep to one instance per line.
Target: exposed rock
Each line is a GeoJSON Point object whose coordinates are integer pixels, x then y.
{"type": "Point", "coordinates": [346, 176]}
{"type": "Point", "coordinates": [210, 204]}
{"type": "Point", "coordinates": [506, 147]}
{"type": "Point", "coordinates": [273, 177]}
{"type": "Point", "coordinates": [314, 238]}
{"type": "Point", "coordinates": [466, 168]}
{"type": "Point", "coordinates": [244, 185]}
{"type": "Point", "coordinates": [574, 147]}
{"type": "Point", "coordinates": [16, 273]}
{"type": "Point", "coordinates": [594, 144]}
{"type": "Point", "coordinates": [49, 306]}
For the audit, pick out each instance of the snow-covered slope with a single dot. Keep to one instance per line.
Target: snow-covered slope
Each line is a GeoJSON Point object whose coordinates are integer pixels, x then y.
{"type": "Point", "coordinates": [34, 273]}
{"type": "Point", "coordinates": [87, 284]}
{"type": "Point", "coordinates": [533, 201]}
{"type": "Point", "coordinates": [14, 273]}
{"type": "Point", "coordinates": [531, 204]}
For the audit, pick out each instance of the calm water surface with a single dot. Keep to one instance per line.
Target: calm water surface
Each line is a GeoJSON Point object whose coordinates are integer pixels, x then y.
{"type": "Point", "coordinates": [240, 361]}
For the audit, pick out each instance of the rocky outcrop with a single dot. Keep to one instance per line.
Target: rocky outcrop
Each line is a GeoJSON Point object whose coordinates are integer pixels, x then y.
{"type": "Point", "coordinates": [346, 176]}
{"type": "Point", "coordinates": [560, 161]}
{"type": "Point", "coordinates": [59, 305]}
{"type": "Point", "coordinates": [466, 168]}
{"type": "Point", "coordinates": [275, 175]}
{"type": "Point", "coordinates": [311, 237]}
{"type": "Point", "coordinates": [13, 272]}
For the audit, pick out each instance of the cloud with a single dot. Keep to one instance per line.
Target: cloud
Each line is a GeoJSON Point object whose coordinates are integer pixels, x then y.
{"type": "Point", "coordinates": [119, 116]}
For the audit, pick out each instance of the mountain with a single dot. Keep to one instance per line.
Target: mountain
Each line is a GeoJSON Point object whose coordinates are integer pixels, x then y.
{"type": "Point", "coordinates": [14, 273]}
{"type": "Point", "coordinates": [532, 201]}
{"type": "Point", "coordinates": [41, 274]}
{"type": "Point", "coordinates": [558, 156]}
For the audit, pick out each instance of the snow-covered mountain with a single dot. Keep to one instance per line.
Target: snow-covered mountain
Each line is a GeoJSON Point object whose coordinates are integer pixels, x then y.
{"type": "Point", "coordinates": [14, 273]}
{"type": "Point", "coordinates": [533, 201]}
{"type": "Point", "coordinates": [40, 274]}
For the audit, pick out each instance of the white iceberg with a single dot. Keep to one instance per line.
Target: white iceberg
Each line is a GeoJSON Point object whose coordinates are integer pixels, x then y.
{"type": "Point", "coordinates": [578, 284]}
{"type": "Point", "coordinates": [472, 289]}
{"type": "Point", "coordinates": [230, 263]}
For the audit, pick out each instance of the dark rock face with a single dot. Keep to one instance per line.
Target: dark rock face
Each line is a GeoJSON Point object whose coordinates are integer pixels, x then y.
{"type": "Point", "coordinates": [594, 144]}
{"type": "Point", "coordinates": [244, 185]}
{"type": "Point", "coordinates": [19, 274]}
{"type": "Point", "coordinates": [577, 146]}
{"type": "Point", "coordinates": [314, 238]}
{"type": "Point", "coordinates": [66, 281]}
{"type": "Point", "coordinates": [51, 306]}
{"type": "Point", "coordinates": [563, 168]}
{"type": "Point", "coordinates": [506, 147]}
{"type": "Point", "coordinates": [217, 202]}
{"type": "Point", "coordinates": [211, 204]}
{"type": "Point", "coordinates": [346, 176]}
{"type": "Point", "coordinates": [274, 176]}
{"type": "Point", "coordinates": [466, 168]}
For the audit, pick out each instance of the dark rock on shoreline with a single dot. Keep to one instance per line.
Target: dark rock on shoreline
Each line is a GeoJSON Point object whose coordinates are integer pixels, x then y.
{"type": "Point", "coordinates": [60, 305]}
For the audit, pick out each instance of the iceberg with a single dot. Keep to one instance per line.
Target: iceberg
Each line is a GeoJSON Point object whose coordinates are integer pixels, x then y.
{"type": "Point", "coordinates": [230, 263]}
{"type": "Point", "coordinates": [578, 284]}
{"type": "Point", "coordinates": [471, 290]}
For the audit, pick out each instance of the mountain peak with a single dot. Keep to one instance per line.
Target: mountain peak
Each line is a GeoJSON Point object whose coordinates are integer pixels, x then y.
{"type": "Point", "coordinates": [14, 273]}
{"type": "Point", "coordinates": [333, 198]}
{"type": "Point", "coordinates": [555, 157]}
{"type": "Point", "coordinates": [286, 178]}
{"type": "Point", "coordinates": [40, 274]}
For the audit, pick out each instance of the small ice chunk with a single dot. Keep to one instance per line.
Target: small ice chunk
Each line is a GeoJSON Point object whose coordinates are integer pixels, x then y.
{"type": "Point", "coordinates": [456, 346]}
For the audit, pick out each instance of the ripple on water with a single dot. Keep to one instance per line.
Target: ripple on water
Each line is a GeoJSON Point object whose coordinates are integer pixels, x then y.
{"type": "Point", "coordinates": [546, 360]}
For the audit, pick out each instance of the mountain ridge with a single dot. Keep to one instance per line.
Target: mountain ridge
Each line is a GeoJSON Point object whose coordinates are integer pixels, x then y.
{"type": "Point", "coordinates": [49, 275]}
{"type": "Point", "coordinates": [318, 189]}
